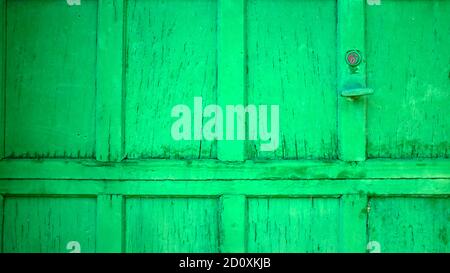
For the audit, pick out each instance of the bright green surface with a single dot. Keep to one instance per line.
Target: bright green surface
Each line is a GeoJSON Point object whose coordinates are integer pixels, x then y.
{"type": "Point", "coordinates": [293, 224]}
{"type": "Point", "coordinates": [50, 82]}
{"type": "Point", "coordinates": [410, 224]}
{"type": "Point", "coordinates": [171, 225]}
{"type": "Point", "coordinates": [408, 114]}
{"type": "Point", "coordinates": [291, 62]}
{"type": "Point", "coordinates": [93, 86]}
{"type": "Point", "coordinates": [171, 57]}
{"type": "Point", "coordinates": [47, 224]}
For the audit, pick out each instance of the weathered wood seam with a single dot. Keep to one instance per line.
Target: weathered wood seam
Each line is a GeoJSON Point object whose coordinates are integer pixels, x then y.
{"type": "Point", "coordinates": [351, 112]}
{"type": "Point", "coordinates": [279, 188]}
{"type": "Point", "coordinates": [233, 221]}
{"type": "Point", "coordinates": [2, 207]}
{"type": "Point", "coordinates": [110, 217]}
{"type": "Point", "coordinates": [353, 223]}
{"type": "Point", "coordinates": [216, 170]}
{"type": "Point", "coordinates": [231, 73]}
{"type": "Point", "coordinates": [2, 77]}
{"type": "Point", "coordinates": [110, 81]}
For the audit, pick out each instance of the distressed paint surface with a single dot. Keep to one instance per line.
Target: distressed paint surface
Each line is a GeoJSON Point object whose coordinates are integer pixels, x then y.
{"type": "Point", "coordinates": [171, 57]}
{"type": "Point", "coordinates": [408, 62]}
{"type": "Point", "coordinates": [402, 224]}
{"type": "Point", "coordinates": [293, 224]}
{"type": "Point", "coordinates": [268, 52]}
{"type": "Point", "coordinates": [50, 84]}
{"type": "Point", "coordinates": [291, 62]}
{"type": "Point", "coordinates": [47, 224]}
{"type": "Point", "coordinates": [171, 225]}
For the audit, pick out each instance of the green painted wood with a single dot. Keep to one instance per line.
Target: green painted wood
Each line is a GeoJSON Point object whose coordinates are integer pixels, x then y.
{"type": "Point", "coordinates": [353, 223]}
{"type": "Point", "coordinates": [110, 224]}
{"type": "Point", "coordinates": [171, 225]}
{"type": "Point", "coordinates": [356, 92]}
{"type": "Point", "coordinates": [291, 62]}
{"type": "Point", "coordinates": [215, 170]}
{"type": "Point", "coordinates": [2, 76]}
{"type": "Point", "coordinates": [407, 115]}
{"type": "Point", "coordinates": [402, 224]}
{"type": "Point", "coordinates": [1, 223]}
{"type": "Point", "coordinates": [233, 221]}
{"type": "Point", "coordinates": [351, 112]}
{"type": "Point", "coordinates": [48, 224]}
{"type": "Point", "coordinates": [50, 86]}
{"type": "Point", "coordinates": [293, 224]}
{"type": "Point", "coordinates": [171, 57]}
{"type": "Point", "coordinates": [110, 69]}
{"type": "Point", "coordinates": [283, 188]}
{"type": "Point", "coordinates": [103, 90]}
{"type": "Point", "coordinates": [231, 74]}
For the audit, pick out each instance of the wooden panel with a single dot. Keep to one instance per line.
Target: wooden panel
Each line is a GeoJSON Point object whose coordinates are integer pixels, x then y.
{"type": "Point", "coordinates": [233, 212]}
{"type": "Point", "coordinates": [50, 81]}
{"type": "Point", "coordinates": [351, 111]}
{"type": "Point", "coordinates": [231, 69]}
{"type": "Point", "coordinates": [409, 69]}
{"type": "Point", "coordinates": [171, 225]}
{"type": "Point", "coordinates": [293, 224]}
{"type": "Point", "coordinates": [110, 213]}
{"type": "Point", "coordinates": [289, 170]}
{"type": "Point", "coordinates": [292, 63]}
{"type": "Point", "coordinates": [403, 224]}
{"type": "Point", "coordinates": [207, 187]}
{"type": "Point", "coordinates": [48, 224]}
{"type": "Point", "coordinates": [171, 57]}
{"type": "Point", "coordinates": [110, 96]}
{"type": "Point", "coordinates": [2, 75]}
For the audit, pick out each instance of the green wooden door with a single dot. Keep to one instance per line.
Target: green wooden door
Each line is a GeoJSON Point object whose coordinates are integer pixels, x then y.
{"type": "Point", "coordinates": [88, 162]}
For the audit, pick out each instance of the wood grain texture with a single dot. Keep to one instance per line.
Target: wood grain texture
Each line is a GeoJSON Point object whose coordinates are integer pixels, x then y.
{"type": "Point", "coordinates": [171, 225]}
{"type": "Point", "coordinates": [291, 62]}
{"type": "Point", "coordinates": [231, 69]}
{"type": "Point", "coordinates": [293, 224]}
{"type": "Point", "coordinates": [216, 170]}
{"type": "Point", "coordinates": [47, 224]}
{"type": "Point", "coordinates": [50, 86]}
{"type": "Point", "coordinates": [110, 224]}
{"type": "Point", "coordinates": [402, 224]}
{"type": "Point", "coordinates": [2, 214]}
{"type": "Point", "coordinates": [409, 68]}
{"type": "Point", "coordinates": [2, 76]}
{"type": "Point", "coordinates": [215, 188]}
{"type": "Point", "coordinates": [171, 57]}
{"type": "Point", "coordinates": [351, 112]}
{"type": "Point", "coordinates": [110, 129]}
{"type": "Point", "coordinates": [233, 224]}
{"type": "Point", "coordinates": [353, 223]}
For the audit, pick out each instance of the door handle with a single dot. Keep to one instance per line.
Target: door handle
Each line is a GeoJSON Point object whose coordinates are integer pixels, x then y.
{"type": "Point", "coordinates": [356, 92]}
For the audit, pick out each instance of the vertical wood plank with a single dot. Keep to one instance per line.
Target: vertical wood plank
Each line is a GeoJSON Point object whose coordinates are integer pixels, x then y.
{"type": "Point", "coordinates": [233, 223]}
{"type": "Point", "coordinates": [110, 70]}
{"type": "Point", "coordinates": [231, 64]}
{"type": "Point", "coordinates": [1, 222]}
{"type": "Point", "coordinates": [2, 76]}
{"type": "Point", "coordinates": [351, 112]}
{"type": "Point", "coordinates": [110, 223]}
{"type": "Point", "coordinates": [353, 223]}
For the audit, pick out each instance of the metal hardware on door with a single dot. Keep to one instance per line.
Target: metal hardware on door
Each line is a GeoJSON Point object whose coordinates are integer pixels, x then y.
{"type": "Point", "coordinates": [356, 92]}
{"type": "Point", "coordinates": [353, 57]}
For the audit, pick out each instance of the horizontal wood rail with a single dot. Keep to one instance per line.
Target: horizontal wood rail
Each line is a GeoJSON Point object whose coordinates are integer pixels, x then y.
{"type": "Point", "coordinates": [48, 169]}
{"type": "Point", "coordinates": [272, 188]}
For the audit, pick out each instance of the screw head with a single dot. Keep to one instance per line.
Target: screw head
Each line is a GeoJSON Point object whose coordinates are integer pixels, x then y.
{"type": "Point", "coordinates": [353, 57]}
